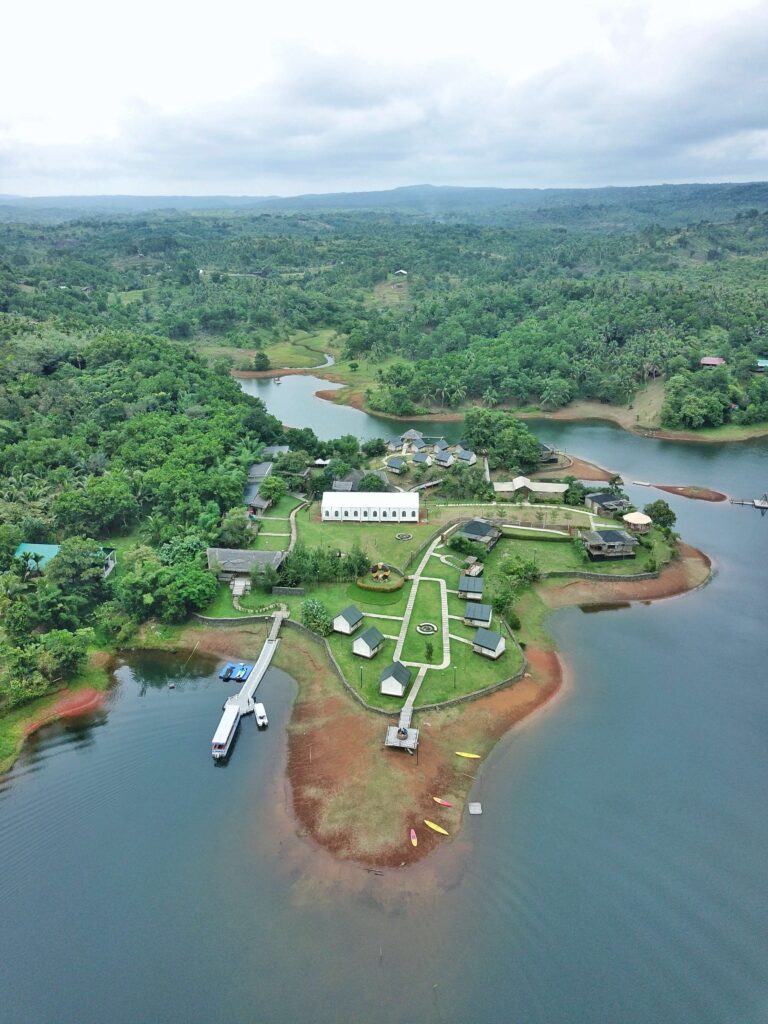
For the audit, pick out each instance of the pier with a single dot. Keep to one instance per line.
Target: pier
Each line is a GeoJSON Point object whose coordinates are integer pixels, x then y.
{"type": "Point", "coordinates": [761, 503]}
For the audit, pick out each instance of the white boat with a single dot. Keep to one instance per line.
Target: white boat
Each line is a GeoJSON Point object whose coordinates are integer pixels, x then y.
{"type": "Point", "coordinates": [225, 732]}
{"type": "Point", "coordinates": [261, 716]}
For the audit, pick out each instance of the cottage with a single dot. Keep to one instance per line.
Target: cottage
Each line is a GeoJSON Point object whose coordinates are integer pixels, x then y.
{"type": "Point", "coordinates": [396, 465]}
{"type": "Point", "coordinates": [712, 362]}
{"type": "Point", "coordinates": [369, 643]}
{"type": "Point", "coordinates": [637, 522]}
{"type": "Point", "coordinates": [394, 679]}
{"type": "Point", "coordinates": [489, 644]}
{"type": "Point", "coordinates": [525, 487]}
{"type": "Point", "coordinates": [418, 445]}
{"type": "Point", "coordinates": [480, 531]}
{"type": "Point", "coordinates": [259, 471]}
{"type": "Point", "coordinates": [471, 588]}
{"type": "Point", "coordinates": [232, 563]}
{"type": "Point", "coordinates": [347, 621]}
{"type": "Point", "coordinates": [353, 479]}
{"type": "Point", "coordinates": [466, 457]}
{"type": "Point", "coordinates": [422, 459]}
{"type": "Point", "coordinates": [254, 502]}
{"type": "Point", "coordinates": [444, 459]}
{"type": "Point", "coordinates": [441, 445]}
{"type": "Point", "coordinates": [394, 444]}
{"type": "Point", "coordinates": [370, 507]}
{"type": "Point", "coordinates": [604, 545]}
{"type": "Point", "coordinates": [547, 453]}
{"type": "Point", "coordinates": [411, 435]}
{"type": "Point", "coordinates": [605, 504]}
{"type": "Point", "coordinates": [477, 615]}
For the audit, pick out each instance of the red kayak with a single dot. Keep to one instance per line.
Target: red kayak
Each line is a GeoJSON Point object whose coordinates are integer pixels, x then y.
{"type": "Point", "coordinates": [443, 803]}
{"type": "Point", "coordinates": [414, 840]}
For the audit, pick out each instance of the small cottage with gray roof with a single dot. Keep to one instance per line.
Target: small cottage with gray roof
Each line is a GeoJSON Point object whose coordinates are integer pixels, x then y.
{"type": "Point", "coordinates": [477, 615]}
{"type": "Point", "coordinates": [489, 644]}
{"type": "Point", "coordinates": [444, 459]}
{"type": "Point", "coordinates": [422, 459]}
{"type": "Point", "coordinates": [480, 531]}
{"type": "Point", "coordinates": [394, 680]}
{"type": "Point", "coordinates": [471, 588]}
{"type": "Point", "coordinates": [347, 621]}
{"type": "Point", "coordinates": [466, 457]}
{"type": "Point", "coordinates": [369, 643]}
{"type": "Point", "coordinates": [396, 465]}
{"type": "Point", "coordinates": [605, 545]}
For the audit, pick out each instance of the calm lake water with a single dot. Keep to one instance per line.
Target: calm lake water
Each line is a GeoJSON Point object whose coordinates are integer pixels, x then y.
{"type": "Point", "coordinates": [619, 872]}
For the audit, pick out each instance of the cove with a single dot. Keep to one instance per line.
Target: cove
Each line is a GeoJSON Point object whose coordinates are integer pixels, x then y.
{"type": "Point", "coordinates": [617, 874]}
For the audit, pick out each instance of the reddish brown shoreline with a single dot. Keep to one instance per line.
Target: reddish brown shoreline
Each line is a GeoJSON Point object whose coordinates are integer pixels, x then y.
{"type": "Point", "coordinates": [696, 493]}
{"type": "Point", "coordinates": [70, 705]}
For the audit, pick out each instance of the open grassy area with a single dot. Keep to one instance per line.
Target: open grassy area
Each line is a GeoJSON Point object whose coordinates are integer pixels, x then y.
{"type": "Point", "coordinates": [426, 608]}
{"type": "Point", "coordinates": [280, 510]}
{"type": "Point", "coordinates": [263, 542]}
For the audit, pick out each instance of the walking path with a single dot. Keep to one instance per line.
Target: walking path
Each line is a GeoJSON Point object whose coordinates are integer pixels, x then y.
{"type": "Point", "coordinates": [417, 580]}
{"type": "Point", "coordinates": [294, 530]}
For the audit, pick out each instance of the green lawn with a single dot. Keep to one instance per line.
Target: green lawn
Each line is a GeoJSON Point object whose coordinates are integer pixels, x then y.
{"type": "Point", "coordinates": [426, 608]}
{"type": "Point", "coordinates": [281, 509]}
{"type": "Point", "coordinates": [551, 556]}
{"type": "Point", "coordinates": [264, 543]}
{"type": "Point", "coordinates": [301, 350]}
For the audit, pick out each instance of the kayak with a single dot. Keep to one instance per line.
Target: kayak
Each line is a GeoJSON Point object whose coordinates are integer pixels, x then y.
{"type": "Point", "coordinates": [463, 753]}
{"type": "Point", "coordinates": [414, 839]}
{"type": "Point", "coordinates": [443, 803]}
{"type": "Point", "coordinates": [435, 828]}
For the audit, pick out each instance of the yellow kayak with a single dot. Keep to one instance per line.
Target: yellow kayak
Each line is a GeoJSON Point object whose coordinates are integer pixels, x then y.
{"type": "Point", "coordinates": [463, 753]}
{"type": "Point", "coordinates": [434, 827]}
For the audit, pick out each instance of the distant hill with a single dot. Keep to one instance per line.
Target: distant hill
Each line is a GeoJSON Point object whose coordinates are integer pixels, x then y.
{"type": "Point", "coordinates": [611, 208]}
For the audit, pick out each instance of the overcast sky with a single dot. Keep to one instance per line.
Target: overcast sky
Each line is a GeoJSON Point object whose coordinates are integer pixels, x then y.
{"type": "Point", "coordinates": [261, 98]}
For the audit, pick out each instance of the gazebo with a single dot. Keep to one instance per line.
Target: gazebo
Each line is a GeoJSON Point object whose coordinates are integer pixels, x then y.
{"type": "Point", "coordinates": [637, 522]}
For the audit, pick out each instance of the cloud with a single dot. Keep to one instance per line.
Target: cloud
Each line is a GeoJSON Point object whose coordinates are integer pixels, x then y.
{"type": "Point", "coordinates": [644, 106]}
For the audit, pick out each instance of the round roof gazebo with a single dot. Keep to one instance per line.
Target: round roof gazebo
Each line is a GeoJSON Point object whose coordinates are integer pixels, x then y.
{"type": "Point", "coordinates": [638, 522]}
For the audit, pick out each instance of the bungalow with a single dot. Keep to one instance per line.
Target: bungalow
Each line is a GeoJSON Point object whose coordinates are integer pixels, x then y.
{"type": "Point", "coordinates": [254, 502]}
{"type": "Point", "coordinates": [712, 362]}
{"type": "Point", "coordinates": [489, 644]}
{"type": "Point", "coordinates": [547, 452]}
{"type": "Point", "coordinates": [603, 545]}
{"type": "Point", "coordinates": [347, 621]}
{"type": "Point", "coordinates": [418, 445]}
{"type": "Point", "coordinates": [637, 522]}
{"type": "Point", "coordinates": [394, 679]}
{"type": "Point", "coordinates": [471, 588]}
{"type": "Point", "coordinates": [422, 459]}
{"type": "Point", "coordinates": [401, 273]}
{"type": "Point", "coordinates": [465, 456]}
{"type": "Point", "coordinates": [480, 531]}
{"type": "Point", "coordinates": [369, 643]}
{"type": "Point", "coordinates": [441, 445]}
{"type": "Point", "coordinates": [522, 485]}
{"type": "Point", "coordinates": [444, 459]}
{"type": "Point", "coordinates": [394, 444]}
{"type": "Point", "coordinates": [605, 503]}
{"type": "Point", "coordinates": [370, 507]}
{"type": "Point", "coordinates": [230, 563]}
{"type": "Point", "coordinates": [352, 480]}
{"type": "Point", "coordinates": [396, 465]}
{"type": "Point", "coordinates": [259, 471]}
{"type": "Point", "coordinates": [478, 615]}
{"type": "Point", "coordinates": [411, 435]}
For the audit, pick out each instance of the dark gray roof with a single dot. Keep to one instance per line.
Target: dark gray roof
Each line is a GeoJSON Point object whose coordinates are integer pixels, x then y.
{"type": "Point", "coordinates": [396, 462]}
{"type": "Point", "coordinates": [478, 612]}
{"type": "Point", "coordinates": [610, 537]}
{"type": "Point", "coordinates": [441, 444]}
{"type": "Point", "coordinates": [443, 456]}
{"type": "Point", "coordinates": [477, 528]}
{"type": "Point", "coordinates": [242, 560]}
{"type": "Point", "coordinates": [465, 454]}
{"type": "Point", "coordinates": [251, 496]}
{"type": "Point", "coordinates": [351, 615]}
{"type": "Point", "coordinates": [420, 457]}
{"type": "Point", "coordinates": [259, 470]}
{"type": "Point", "coordinates": [605, 497]}
{"type": "Point", "coordinates": [372, 636]}
{"type": "Point", "coordinates": [398, 671]}
{"type": "Point", "coordinates": [419, 443]}
{"type": "Point", "coordinates": [411, 435]}
{"type": "Point", "coordinates": [487, 639]}
{"type": "Point", "coordinates": [471, 584]}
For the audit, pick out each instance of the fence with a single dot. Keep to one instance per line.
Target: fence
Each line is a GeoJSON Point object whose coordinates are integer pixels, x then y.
{"type": "Point", "coordinates": [583, 574]}
{"type": "Point", "coordinates": [288, 591]}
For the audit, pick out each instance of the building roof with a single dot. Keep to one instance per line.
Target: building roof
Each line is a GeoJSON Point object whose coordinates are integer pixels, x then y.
{"type": "Point", "coordinates": [420, 457]}
{"type": "Point", "coordinates": [763, 364]}
{"type": "Point", "coordinates": [259, 470]}
{"type": "Point", "coordinates": [604, 497]}
{"type": "Point", "coordinates": [242, 559]}
{"type": "Point", "coordinates": [609, 537]}
{"type": "Point", "coordinates": [442, 444]}
{"type": "Point", "coordinates": [471, 584]}
{"type": "Point", "coordinates": [478, 612]}
{"type": "Point", "coordinates": [371, 499]}
{"type": "Point", "coordinates": [443, 456]}
{"type": "Point", "coordinates": [487, 639]}
{"type": "Point", "coordinates": [465, 455]}
{"type": "Point", "coordinates": [342, 486]}
{"type": "Point", "coordinates": [712, 361]}
{"type": "Point", "coordinates": [398, 672]}
{"type": "Point", "coordinates": [411, 435]}
{"type": "Point", "coordinates": [396, 462]}
{"type": "Point", "coordinates": [522, 482]}
{"type": "Point", "coordinates": [276, 449]}
{"type": "Point", "coordinates": [46, 551]}
{"type": "Point", "coordinates": [478, 528]}
{"type": "Point", "coordinates": [350, 614]}
{"type": "Point", "coordinates": [372, 636]}
{"type": "Point", "coordinates": [637, 519]}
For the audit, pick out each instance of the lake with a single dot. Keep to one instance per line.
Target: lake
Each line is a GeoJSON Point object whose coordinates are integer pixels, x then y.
{"type": "Point", "coordinates": [618, 872]}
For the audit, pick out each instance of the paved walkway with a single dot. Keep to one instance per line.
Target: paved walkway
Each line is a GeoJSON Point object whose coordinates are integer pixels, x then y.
{"type": "Point", "coordinates": [409, 700]}
{"type": "Point", "coordinates": [377, 615]}
{"type": "Point", "coordinates": [417, 580]}
{"type": "Point", "coordinates": [294, 532]}
{"type": "Point", "coordinates": [486, 470]}
{"type": "Point", "coordinates": [460, 639]}
{"type": "Point", "coordinates": [264, 533]}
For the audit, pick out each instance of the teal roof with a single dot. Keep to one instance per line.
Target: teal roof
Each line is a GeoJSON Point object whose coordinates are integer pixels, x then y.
{"type": "Point", "coordinates": [47, 551]}
{"type": "Point", "coordinates": [763, 364]}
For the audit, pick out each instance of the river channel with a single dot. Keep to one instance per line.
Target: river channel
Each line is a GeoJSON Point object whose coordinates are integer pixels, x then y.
{"type": "Point", "coordinates": [618, 873]}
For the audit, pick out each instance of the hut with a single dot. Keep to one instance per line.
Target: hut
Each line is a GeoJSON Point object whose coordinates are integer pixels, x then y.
{"type": "Point", "coordinates": [637, 522]}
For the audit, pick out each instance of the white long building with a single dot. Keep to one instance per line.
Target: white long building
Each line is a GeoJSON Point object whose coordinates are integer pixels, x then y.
{"type": "Point", "coordinates": [370, 507]}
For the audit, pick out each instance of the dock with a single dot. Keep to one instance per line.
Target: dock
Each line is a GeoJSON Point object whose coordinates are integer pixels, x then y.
{"type": "Point", "coordinates": [403, 735]}
{"type": "Point", "coordinates": [761, 503]}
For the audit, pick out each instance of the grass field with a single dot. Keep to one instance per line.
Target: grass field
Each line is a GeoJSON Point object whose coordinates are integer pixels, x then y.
{"type": "Point", "coordinates": [426, 608]}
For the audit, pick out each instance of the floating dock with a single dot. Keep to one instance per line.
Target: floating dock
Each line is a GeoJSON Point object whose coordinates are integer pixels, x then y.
{"type": "Point", "coordinates": [761, 503]}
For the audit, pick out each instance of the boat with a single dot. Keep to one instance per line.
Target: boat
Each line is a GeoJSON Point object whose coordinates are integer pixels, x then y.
{"type": "Point", "coordinates": [435, 827]}
{"type": "Point", "coordinates": [443, 803]}
{"type": "Point", "coordinates": [226, 672]}
{"type": "Point", "coordinates": [277, 380]}
{"type": "Point", "coordinates": [225, 731]}
{"type": "Point", "coordinates": [414, 838]}
{"type": "Point", "coordinates": [463, 753]}
{"type": "Point", "coordinates": [242, 671]}
{"type": "Point", "coordinates": [261, 716]}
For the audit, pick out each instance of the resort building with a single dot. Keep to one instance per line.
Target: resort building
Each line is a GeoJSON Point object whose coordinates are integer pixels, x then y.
{"type": "Point", "coordinates": [441, 445]}
{"type": "Point", "coordinates": [478, 614]}
{"type": "Point", "coordinates": [444, 459]}
{"type": "Point", "coordinates": [347, 621]}
{"type": "Point", "coordinates": [603, 545]}
{"type": "Point", "coordinates": [489, 644]}
{"type": "Point", "coordinates": [422, 459]}
{"type": "Point", "coordinates": [257, 474]}
{"type": "Point", "coordinates": [396, 465]}
{"type": "Point", "coordinates": [351, 481]}
{"type": "Point", "coordinates": [411, 435]}
{"type": "Point", "coordinates": [606, 504]}
{"type": "Point", "coordinates": [369, 643]}
{"type": "Point", "coordinates": [525, 487]}
{"type": "Point", "coordinates": [466, 457]}
{"type": "Point", "coordinates": [394, 679]}
{"type": "Point", "coordinates": [471, 588]}
{"type": "Point", "coordinates": [230, 563]}
{"type": "Point", "coordinates": [547, 453]}
{"type": "Point", "coordinates": [480, 531]}
{"type": "Point", "coordinates": [637, 522]}
{"type": "Point", "coordinates": [370, 507]}
{"type": "Point", "coordinates": [712, 362]}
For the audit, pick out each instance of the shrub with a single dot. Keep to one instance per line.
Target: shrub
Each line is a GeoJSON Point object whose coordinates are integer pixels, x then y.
{"type": "Point", "coordinates": [314, 615]}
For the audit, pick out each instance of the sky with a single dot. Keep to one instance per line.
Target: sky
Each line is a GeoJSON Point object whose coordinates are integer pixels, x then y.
{"type": "Point", "coordinates": [230, 98]}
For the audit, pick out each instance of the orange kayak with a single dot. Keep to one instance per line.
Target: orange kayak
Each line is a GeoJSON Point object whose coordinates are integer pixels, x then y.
{"type": "Point", "coordinates": [443, 803]}
{"type": "Point", "coordinates": [435, 828]}
{"type": "Point", "coordinates": [414, 839]}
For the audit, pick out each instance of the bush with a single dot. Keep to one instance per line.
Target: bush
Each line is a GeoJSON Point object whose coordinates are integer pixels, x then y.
{"type": "Point", "coordinates": [513, 619]}
{"type": "Point", "coordinates": [314, 615]}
